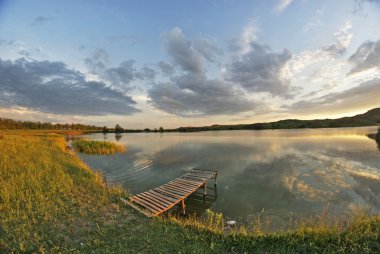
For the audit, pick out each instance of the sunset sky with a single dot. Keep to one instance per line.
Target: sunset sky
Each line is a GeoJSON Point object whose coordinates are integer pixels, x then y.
{"type": "Point", "coordinates": [188, 63]}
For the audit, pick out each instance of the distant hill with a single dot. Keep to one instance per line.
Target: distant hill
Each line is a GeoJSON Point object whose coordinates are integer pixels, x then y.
{"type": "Point", "coordinates": [370, 118]}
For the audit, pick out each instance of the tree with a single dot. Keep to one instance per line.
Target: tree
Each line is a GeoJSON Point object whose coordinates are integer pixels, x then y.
{"type": "Point", "coordinates": [118, 128]}
{"type": "Point", "coordinates": [105, 129]}
{"type": "Point", "coordinates": [161, 129]}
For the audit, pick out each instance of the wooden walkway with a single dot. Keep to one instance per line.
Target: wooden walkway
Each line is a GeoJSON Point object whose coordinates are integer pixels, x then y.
{"type": "Point", "coordinates": [159, 200]}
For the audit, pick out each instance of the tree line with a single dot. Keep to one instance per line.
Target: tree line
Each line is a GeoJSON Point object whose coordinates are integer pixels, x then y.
{"type": "Point", "coordinates": [10, 124]}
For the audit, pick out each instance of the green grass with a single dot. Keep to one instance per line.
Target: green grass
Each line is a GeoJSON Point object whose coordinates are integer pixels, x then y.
{"type": "Point", "coordinates": [97, 147]}
{"type": "Point", "coordinates": [51, 202]}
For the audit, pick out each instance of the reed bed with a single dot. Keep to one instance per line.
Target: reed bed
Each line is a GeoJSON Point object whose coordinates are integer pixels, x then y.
{"type": "Point", "coordinates": [97, 147]}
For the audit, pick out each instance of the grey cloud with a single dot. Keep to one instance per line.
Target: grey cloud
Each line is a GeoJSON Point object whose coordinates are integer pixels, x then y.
{"type": "Point", "coordinates": [165, 68]}
{"type": "Point", "coordinates": [366, 56]}
{"type": "Point", "coordinates": [207, 48]}
{"type": "Point", "coordinates": [40, 20]}
{"type": "Point", "coordinates": [120, 76]}
{"type": "Point", "coordinates": [25, 53]}
{"type": "Point", "coordinates": [181, 52]}
{"type": "Point", "coordinates": [195, 95]}
{"type": "Point", "coordinates": [53, 88]}
{"type": "Point", "coordinates": [98, 61]}
{"type": "Point", "coordinates": [17, 46]}
{"type": "Point", "coordinates": [259, 71]}
{"type": "Point", "coordinates": [146, 73]}
{"type": "Point", "coordinates": [365, 95]}
{"type": "Point", "coordinates": [358, 6]}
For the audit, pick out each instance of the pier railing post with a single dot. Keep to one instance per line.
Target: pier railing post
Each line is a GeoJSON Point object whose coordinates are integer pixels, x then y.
{"type": "Point", "coordinates": [205, 189]}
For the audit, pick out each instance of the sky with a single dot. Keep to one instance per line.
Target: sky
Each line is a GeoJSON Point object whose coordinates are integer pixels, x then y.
{"type": "Point", "coordinates": [146, 64]}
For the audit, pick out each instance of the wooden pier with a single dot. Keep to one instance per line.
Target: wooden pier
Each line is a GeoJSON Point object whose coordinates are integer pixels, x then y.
{"type": "Point", "coordinates": [159, 200]}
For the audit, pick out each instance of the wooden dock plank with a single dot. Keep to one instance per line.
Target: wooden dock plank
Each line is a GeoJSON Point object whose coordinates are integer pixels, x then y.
{"type": "Point", "coordinates": [170, 193]}
{"type": "Point", "coordinates": [203, 175]}
{"type": "Point", "coordinates": [179, 187]}
{"type": "Point", "coordinates": [169, 199]}
{"type": "Point", "coordinates": [146, 205]}
{"type": "Point", "coordinates": [153, 200]}
{"type": "Point", "coordinates": [127, 202]}
{"type": "Point", "coordinates": [175, 190]}
{"type": "Point", "coordinates": [189, 181]}
{"type": "Point", "coordinates": [158, 200]}
{"type": "Point", "coordinates": [186, 183]}
{"type": "Point", "coordinates": [164, 201]}
{"type": "Point", "coordinates": [194, 178]}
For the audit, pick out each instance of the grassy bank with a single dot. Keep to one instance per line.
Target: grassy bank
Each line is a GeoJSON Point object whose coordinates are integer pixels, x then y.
{"type": "Point", "coordinates": [51, 202]}
{"type": "Point", "coordinates": [97, 147]}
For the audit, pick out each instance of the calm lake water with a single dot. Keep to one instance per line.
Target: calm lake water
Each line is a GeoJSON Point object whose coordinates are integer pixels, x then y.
{"type": "Point", "coordinates": [282, 172]}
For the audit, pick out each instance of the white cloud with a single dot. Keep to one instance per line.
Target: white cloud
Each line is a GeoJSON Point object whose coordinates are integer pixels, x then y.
{"type": "Point", "coordinates": [314, 22]}
{"type": "Point", "coordinates": [343, 36]}
{"type": "Point", "coordinates": [323, 65]}
{"type": "Point", "coordinates": [249, 35]}
{"type": "Point", "coordinates": [282, 5]}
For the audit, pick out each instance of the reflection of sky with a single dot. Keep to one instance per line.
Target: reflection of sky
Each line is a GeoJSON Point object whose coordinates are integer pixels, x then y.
{"type": "Point", "coordinates": [281, 171]}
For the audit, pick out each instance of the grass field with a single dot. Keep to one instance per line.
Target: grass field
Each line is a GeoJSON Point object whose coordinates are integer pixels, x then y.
{"type": "Point", "coordinates": [97, 147]}
{"type": "Point", "coordinates": [50, 202]}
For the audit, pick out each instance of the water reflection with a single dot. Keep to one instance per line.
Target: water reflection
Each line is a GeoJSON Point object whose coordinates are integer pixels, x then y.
{"type": "Point", "coordinates": [281, 171]}
{"type": "Point", "coordinates": [118, 136]}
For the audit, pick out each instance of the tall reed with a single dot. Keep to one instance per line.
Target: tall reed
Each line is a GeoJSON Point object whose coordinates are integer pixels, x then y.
{"type": "Point", "coordinates": [97, 147]}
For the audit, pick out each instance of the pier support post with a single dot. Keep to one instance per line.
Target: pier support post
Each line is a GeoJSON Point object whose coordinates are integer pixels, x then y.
{"type": "Point", "coordinates": [183, 206]}
{"type": "Point", "coordinates": [205, 189]}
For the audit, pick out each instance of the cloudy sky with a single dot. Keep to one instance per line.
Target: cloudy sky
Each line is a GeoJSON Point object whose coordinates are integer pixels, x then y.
{"type": "Point", "coordinates": [188, 63]}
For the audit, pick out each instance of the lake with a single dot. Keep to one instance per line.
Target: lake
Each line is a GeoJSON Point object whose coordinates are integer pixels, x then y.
{"type": "Point", "coordinates": [274, 172]}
